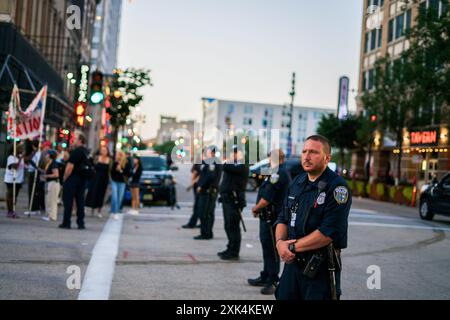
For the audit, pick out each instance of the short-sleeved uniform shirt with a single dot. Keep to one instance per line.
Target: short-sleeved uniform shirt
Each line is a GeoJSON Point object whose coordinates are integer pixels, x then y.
{"type": "Point", "coordinates": [329, 207]}
{"type": "Point", "coordinates": [77, 157]}
{"type": "Point", "coordinates": [274, 188]}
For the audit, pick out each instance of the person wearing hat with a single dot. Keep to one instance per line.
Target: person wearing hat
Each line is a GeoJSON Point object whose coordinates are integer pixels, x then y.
{"type": "Point", "coordinates": [52, 186]}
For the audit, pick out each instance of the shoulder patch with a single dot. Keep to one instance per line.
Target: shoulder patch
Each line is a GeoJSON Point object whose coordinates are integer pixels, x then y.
{"type": "Point", "coordinates": [341, 195]}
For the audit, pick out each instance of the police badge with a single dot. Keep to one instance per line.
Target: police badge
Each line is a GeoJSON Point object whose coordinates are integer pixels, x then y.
{"type": "Point", "coordinates": [274, 178]}
{"type": "Point", "coordinates": [321, 198]}
{"type": "Point", "coordinates": [341, 195]}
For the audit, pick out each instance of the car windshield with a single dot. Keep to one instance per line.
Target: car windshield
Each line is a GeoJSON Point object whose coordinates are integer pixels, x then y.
{"type": "Point", "coordinates": [153, 164]}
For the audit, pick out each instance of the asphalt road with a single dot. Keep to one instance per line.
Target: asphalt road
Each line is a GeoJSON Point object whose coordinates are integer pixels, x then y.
{"type": "Point", "coordinates": [151, 257]}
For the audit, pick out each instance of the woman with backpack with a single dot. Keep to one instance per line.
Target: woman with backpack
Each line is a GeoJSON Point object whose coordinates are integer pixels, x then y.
{"type": "Point", "coordinates": [120, 172]}
{"type": "Point", "coordinates": [97, 190]}
{"type": "Point", "coordinates": [135, 184]}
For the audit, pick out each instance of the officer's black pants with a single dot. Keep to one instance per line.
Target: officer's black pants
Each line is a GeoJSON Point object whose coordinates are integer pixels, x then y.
{"type": "Point", "coordinates": [270, 257]}
{"type": "Point", "coordinates": [206, 207]}
{"type": "Point", "coordinates": [232, 227]}
{"type": "Point", "coordinates": [74, 188]}
{"type": "Point", "coordinates": [195, 212]}
{"type": "Point", "coordinates": [295, 286]}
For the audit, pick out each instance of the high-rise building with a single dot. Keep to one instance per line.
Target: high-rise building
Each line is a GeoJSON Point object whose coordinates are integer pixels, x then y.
{"type": "Point", "coordinates": [385, 23]}
{"type": "Point", "coordinates": [234, 116]}
{"type": "Point", "coordinates": [105, 44]}
{"type": "Point", "coordinates": [105, 41]}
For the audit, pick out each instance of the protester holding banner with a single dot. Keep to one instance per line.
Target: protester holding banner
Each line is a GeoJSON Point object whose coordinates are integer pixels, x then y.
{"type": "Point", "coordinates": [14, 174]}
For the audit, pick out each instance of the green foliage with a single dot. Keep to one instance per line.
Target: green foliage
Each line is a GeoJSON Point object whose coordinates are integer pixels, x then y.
{"type": "Point", "coordinates": [165, 148]}
{"type": "Point", "coordinates": [128, 84]}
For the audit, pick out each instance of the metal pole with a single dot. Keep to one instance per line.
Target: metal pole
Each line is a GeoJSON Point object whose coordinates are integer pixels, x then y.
{"type": "Point", "coordinates": [291, 115]}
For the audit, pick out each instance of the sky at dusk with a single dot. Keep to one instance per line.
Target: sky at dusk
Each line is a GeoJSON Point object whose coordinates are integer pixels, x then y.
{"type": "Point", "coordinates": [239, 50]}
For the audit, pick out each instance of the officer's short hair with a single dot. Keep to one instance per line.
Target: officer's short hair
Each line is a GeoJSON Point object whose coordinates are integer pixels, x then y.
{"type": "Point", "coordinates": [325, 142]}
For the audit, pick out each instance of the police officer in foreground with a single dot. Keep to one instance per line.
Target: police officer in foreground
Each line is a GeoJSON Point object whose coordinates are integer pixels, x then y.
{"type": "Point", "coordinates": [232, 196]}
{"type": "Point", "coordinates": [207, 189]}
{"type": "Point", "coordinates": [268, 205]}
{"type": "Point", "coordinates": [312, 228]}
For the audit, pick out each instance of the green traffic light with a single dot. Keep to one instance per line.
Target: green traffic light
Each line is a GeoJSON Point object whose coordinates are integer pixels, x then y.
{"type": "Point", "coordinates": [97, 97]}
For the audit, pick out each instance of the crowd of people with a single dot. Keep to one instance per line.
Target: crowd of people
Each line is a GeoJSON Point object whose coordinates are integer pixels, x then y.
{"type": "Point", "coordinates": [70, 176]}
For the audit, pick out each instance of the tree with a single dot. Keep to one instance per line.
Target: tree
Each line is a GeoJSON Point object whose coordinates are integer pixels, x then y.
{"type": "Point", "coordinates": [341, 133]}
{"type": "Point", "coordinates": [125, 96]}
{"type": "Point", "coordinates": [410, 91]}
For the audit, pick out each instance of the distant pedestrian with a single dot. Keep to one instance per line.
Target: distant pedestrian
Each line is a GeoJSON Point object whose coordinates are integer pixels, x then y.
{"type": "Point", "coordinates": [135, 184]}
{"type": "Point", "coordinates": [75, 178]}
{"type": "Point", "coordinates": [45, 147]}
{"type": "Point", "coordinates": [120, 172]}
{"type": "Point", "coordinates": [14, 174]}
{"type": "Point", "coordinates": [97, 190]}
{"type": "Point", "coordinates": [52, 186]}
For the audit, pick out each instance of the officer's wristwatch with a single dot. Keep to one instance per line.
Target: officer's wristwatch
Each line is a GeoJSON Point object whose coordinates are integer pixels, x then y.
{"type": "Point", "coordinates": [292, 247]}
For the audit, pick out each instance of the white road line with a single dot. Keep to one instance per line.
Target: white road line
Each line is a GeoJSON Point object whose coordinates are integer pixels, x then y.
{"type": "Point", "coordinates": [400, 226]}
{"type": "Point", "coordinates": [100, 271]}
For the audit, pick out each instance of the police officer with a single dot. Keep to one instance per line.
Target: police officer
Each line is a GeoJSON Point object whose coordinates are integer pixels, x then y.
{"type": "Point", "coordinates": [312, 228]}
{"type": "Point", "coordinates": [268, 204]}
{"type": "Point", "coordinates": [232, 195]}
{"type": "Point", "coordinates": [192, 223]}
{"type": "Point", "coordinates": [207, 189]}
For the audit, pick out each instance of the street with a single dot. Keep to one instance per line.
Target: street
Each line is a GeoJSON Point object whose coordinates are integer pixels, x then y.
{"type": "Point", "coordinates": [156, 259]}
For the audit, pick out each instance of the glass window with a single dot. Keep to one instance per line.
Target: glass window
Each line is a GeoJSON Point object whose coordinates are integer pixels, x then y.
{"type": "Point", "coordinates": [373, 39]}
{"type": "Point", "coordinates": [391, 30]}
{"type": "Point", "coordinates": [399, 25]}
{"type": "Point", "coordinates": [366, 43]}
{"type": "Point", "coordinates": [408, 19]}
{"type": "Point", "coordinates": [248, 109]}
{"type": "Point", "coordinates": [380, 37]}
{"type": "Point", "coordinates": [230, 108]}
{"type": "Point", "coordinates": [371, 79]}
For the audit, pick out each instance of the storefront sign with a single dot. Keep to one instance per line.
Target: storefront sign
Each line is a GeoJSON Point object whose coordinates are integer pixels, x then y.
{"type": "Point", "coordinates": [424, 138]}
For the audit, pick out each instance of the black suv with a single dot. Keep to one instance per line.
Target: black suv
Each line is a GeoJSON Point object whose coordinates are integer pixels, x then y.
{"type": "Point", "coordinates": [435, 199]}
{"type": "Point", "coordinates": [157, 182]}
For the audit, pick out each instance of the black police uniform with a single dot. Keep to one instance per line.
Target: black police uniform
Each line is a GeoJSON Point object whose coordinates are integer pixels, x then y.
{"type": "Point", "coordinates": [232, 194]}
{"type": "Point", "coordinates": [209, 183]}
{"type": "Point", "coordinates": [273, 190]}
{"type": "Point", "coordinates": [328, 202]}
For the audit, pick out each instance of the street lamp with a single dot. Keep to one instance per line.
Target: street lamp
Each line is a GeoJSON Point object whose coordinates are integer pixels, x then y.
{"type": "Point", "coordinates": [292, 94]}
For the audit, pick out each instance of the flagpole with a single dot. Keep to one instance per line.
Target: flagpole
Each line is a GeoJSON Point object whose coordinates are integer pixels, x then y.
{"type": "Point", "coordinates": [33, 191]}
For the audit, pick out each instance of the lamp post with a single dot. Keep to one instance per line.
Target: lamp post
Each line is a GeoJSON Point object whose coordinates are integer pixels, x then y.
{"type": "Point", "coordinates": [291, 115]}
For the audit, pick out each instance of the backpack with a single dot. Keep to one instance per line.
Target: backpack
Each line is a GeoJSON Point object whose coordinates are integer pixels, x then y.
{"type": "Point", "coordinates": [86, 169]}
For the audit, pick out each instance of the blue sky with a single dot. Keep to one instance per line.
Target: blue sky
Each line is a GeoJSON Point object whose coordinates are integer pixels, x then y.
{"type": "Point", "coordinates": [239, 50]}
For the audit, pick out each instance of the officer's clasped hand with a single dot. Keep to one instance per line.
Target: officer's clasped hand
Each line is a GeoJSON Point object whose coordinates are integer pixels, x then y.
{"type": "Point", "coordinates": [283, 251]}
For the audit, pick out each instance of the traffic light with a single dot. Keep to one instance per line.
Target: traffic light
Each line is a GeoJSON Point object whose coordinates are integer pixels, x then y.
{"type": "Point", "coordinates": [96, 94]}
{"type": "Point", "coordinates": [80, 113]}
{"type": "Point", "coordinates": [374, 118]}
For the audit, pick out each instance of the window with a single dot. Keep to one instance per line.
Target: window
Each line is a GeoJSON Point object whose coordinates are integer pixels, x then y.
{"type": "Point", "coordinates": [248, 109]}
{"type": "Point", "coordinates": [248, 121]}
{"type": "Point", "coordinates": [399, 25]}
{"type": "Point", "coordinates": [408, 20]}
{"type": "Point", "coordinates": [391, 30]}
{"type": "Point", "coordinates": [230, 108]}
{"type": "Point", "coordinates": [373, 39]}
{"type": "Point", "coordinates": [371, 78]}
{"type": "Point", "coordinates": [380, 37]}
{"type": "Point", "coordinates": [366, 43]}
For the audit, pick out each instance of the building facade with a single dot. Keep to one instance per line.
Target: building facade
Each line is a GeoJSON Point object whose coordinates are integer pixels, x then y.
{"type": "Point", "coordinates": [235, 116]}
{"type": "Point", "coordinates": [105, 44]}
{"type": "Point", "coordinates": [37, 47]}
{"type": "Point", "coordinates": [168, 125]}
{"type": "Point", "coordinates": [426, 150]}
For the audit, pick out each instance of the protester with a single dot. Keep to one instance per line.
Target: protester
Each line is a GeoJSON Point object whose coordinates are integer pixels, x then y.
{"type": "Point", "coordinates": [42, 164]}
{"type": "Point", "coordinates": [135, 183]}
{"type": "Point", "coordinates": [14, 174]}
{"type": "Point", "coordinates": [120, 172]}
{"type": "Point", "coordinates": [52, 183]}
{"type": "Point", "coordinates": [97, 190]}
